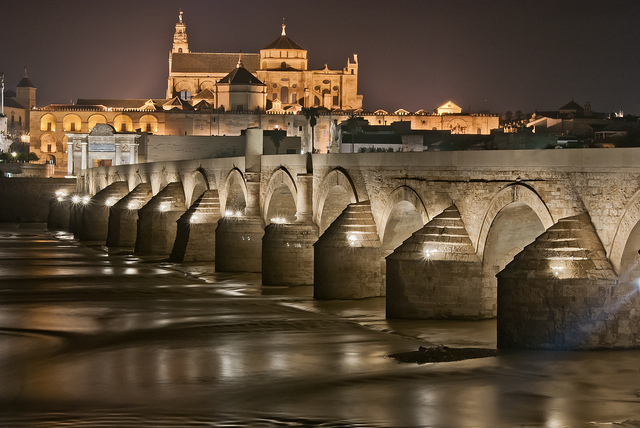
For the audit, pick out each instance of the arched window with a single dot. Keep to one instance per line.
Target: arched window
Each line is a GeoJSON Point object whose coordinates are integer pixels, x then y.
{"type": "Point", "coordinates": [149, 123]}
{"type": "Point", "coordinates": [123, 123]}
{"type": "Point", "coordinates": [47, 143]}
{"type": "Point", "coordinates": [48, 123]}
{"type": "Point", "coordinates": [71, 123]}
{"type": "Point", "coordinates": [96, 119]}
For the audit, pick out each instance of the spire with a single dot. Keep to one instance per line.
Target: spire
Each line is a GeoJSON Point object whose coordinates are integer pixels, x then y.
{"type": "Point", "coordinates": [25, 75]}
{"type": "Point", "coordinates": [240, 64]}
{"type": "Point", "coordinates": [180, 44]}
{"type": "Point", "coordinates": [284, 32]}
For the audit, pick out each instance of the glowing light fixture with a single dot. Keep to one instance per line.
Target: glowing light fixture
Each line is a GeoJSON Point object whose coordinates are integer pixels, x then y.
{"type": "Point", "coordinates": [75, 199]}
{"type": "Point", "coordinates": [163, 207]}
{"type": "Point", "coordinates": [193, 219]}
{"type": "Point", "coordinates": [429, 252]}
{"type": "Point", "coordinates": [352, 239]}
{"type": "Point", "coordinates": [86, 200]}
{"type": "Point", "coordinates": [132, 206]}
{"type": "Point", "coordinates": [109, 202]}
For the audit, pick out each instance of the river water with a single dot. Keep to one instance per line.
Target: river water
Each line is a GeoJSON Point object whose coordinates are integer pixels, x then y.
{"type": "Point", "coordinates": [92, 338]}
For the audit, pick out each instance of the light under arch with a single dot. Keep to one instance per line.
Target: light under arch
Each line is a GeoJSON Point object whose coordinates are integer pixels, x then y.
{"type": "Point", "coordinates": [235, 176]}
{"type": "Point", "coordinates": [402, 194]}
{"type": "Point", "coordinates": [339, 178]}
{"type": "Point", "coordinates": [512, 193]}
{"type": "Point", "coordinates": [281, 177]}
{"type": "Point", "coordinates": [624, 229]}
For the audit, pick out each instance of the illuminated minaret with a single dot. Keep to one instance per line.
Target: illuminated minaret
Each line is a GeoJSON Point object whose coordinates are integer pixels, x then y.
{"type": "Point", "coordinates": [180, 44]}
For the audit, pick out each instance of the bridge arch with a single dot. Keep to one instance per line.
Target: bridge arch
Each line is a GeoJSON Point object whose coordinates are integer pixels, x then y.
{"type": "Point", "coordinates": [336, 191]}
{"type": "Point", "coordinates": [281, 196]}
{"type": "Point", "coordinates": [134, 179]}
{"type": "Point", "coordinates": [512, 194]}
{"type": "Point", "coordinates": [195, 183]}
{"type": "Point", "coordinates": [516, 216]}
{"type": "Point", "coordinates": [235, 192]}
{"type": "Point", "coordinates": [623, 252]}
{"type": "Point", "coordinates": [404, 214]}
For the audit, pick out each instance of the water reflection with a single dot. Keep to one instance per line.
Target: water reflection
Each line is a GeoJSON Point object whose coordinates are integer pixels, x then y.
{"type": "Point", "coordinates": [122, 342]}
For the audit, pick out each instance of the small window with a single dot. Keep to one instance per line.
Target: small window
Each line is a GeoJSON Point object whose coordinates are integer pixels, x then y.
{"type": "Point", "coordinates": [274, 96]}
{"type": "Point", "coordinates": [300, 128]}
{"type": "Point", "coordinates": [48, 147]}
{"type": "Point", "coordinates": [20, 120]}
{"type": "Point", "coordinates": [149, 127]}
{"type": "Point", "coordinates": [73, 126]}
{"type": "Point", "coordinates": [48, 126]}
{"type": "Point", "coordinates": [13, 119]}
{"type": "Point", "coordinates": [335, 100]}
{"type": "Point", "coordinates": [123, 127]}
{"type": "Point", "coordinates": [294, 98]}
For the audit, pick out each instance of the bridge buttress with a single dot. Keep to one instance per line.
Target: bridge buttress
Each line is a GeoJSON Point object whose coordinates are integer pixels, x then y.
{"type": "Point", "coordinates": [95, 215]}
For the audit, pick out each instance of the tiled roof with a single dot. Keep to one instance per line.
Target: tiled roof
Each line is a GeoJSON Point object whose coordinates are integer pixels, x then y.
{"type": "Point", "coordinates": [284, 42]}
{"type": "Point", "coordinates": [241, 76]}
{"type": "Point", "coordinates": [212, 62]}
{"type": "Point", "coordinates": [10, 102]}
{"type": "Point", "coordinates": [131, 103]}
{"type": "Point", "coordinates": [25, 83]}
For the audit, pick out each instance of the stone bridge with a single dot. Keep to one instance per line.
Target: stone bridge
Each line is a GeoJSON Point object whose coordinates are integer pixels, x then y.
{"type": "Point", "coordinates": [546, 240]}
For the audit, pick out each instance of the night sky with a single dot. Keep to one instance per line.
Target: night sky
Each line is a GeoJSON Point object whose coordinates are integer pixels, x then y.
{"type": "Point", "coordinates": [483, 55]}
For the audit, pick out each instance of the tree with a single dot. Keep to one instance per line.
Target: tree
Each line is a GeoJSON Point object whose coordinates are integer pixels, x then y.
{"type": "Point", "coordinates": [352, 126]}
{"type": "Point", "coordinates": [311, 114]}
{"type": "Point", "coordinates": [519, 116]}
{"type": "Point", "coordinates": [508, 116]}
{"type": "Point", "coordinates": [277, 136]}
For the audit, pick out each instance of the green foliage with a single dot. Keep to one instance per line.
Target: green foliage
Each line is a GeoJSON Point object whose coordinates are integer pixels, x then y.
{"type": "Point", "coordinates": [19, 157]}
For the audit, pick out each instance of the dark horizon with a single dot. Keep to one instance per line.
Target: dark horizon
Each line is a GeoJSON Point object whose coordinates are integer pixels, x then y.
{"type": "Point", "coordinates": [494, 56]}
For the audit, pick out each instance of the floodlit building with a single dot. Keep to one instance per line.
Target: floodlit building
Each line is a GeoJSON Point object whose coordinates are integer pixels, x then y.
{"type": "Point", "coordinates": [223, 94]}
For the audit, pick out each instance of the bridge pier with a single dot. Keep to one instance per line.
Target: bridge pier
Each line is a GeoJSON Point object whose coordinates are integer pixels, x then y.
{"type": "Point", "coordinates": [287, 254]}
{"type": "Point", "coordinates": [59, 213]}
{"type": "Point", "coordinates": [436, 274]}
{"type": "Point", "coordinates": [123, 217]}
{"type": "Point", "coordinates": [196, 232]}
{"type": "Point", "coordinates": [287, 249]}
{"type": "Point", "coordinates": [239, 239]}
{"type": "Point", "coordinates": [348, 261]}
{"type": "Point", "coordinates": [238, 246]}
{"type": "Point", "coordinates": [78, 202]}
{"type": "Point", "coordinates": [561, 292]}
{"type": "Point", "coordinates": [95, 215]}
{"type": "Point", "coordinates": [157, 221]}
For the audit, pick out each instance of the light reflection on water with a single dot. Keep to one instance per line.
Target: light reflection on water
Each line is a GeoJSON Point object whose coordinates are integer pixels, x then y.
{"type": "Point", "coordinates": [139, 345]}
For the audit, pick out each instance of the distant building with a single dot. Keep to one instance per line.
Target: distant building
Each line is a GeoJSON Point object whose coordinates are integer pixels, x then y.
{"type": "Point", "coordinates": [222, 94]}
{"type": "Point", "coordinates": [103, 146]}
{"type": "Point", "coordinates": [17, 106]}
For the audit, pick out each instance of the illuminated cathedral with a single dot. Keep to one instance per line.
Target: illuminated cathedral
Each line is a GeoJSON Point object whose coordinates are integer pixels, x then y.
{"type": "Point", "coordinates": [282, 68]}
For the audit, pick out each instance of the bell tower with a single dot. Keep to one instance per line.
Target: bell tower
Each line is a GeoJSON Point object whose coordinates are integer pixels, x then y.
{"type": "Point", "coordinates": [180, 44]}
